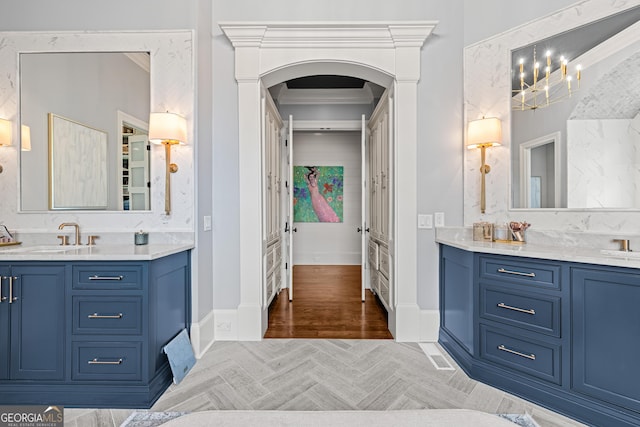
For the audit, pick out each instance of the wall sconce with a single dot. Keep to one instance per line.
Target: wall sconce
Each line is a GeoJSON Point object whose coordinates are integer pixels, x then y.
{"type": "Point", "coordinates": [483, 133]}
{"type": "Point", "coordinates": [5, 135]}
{"type": "Point", "coordinates": [25, 138]}
{"type": "Point", "coordinates": [167, 129]}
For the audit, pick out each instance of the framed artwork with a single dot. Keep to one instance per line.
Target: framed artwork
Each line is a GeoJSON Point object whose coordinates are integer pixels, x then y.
{"type": "Point", "coordinates": [318, 193]}
{"type": "Point", "coordinates": [77, 165]}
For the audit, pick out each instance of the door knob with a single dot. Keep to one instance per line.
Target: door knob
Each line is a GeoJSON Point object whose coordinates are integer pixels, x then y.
{"type": "Point", "coordinates": [295, 230]}
{"type": "Point", "coordinates": [359, 229]}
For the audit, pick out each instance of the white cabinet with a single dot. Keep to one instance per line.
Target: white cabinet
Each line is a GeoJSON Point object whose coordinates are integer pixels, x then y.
{"type": "Point", "coordinates": [379, 186]}
{"type": "Point", "coordinates": [272, 129]}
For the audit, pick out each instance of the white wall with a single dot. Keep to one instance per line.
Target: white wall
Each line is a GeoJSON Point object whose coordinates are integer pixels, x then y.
{"type": "Point", "coordinates": [325, 243]}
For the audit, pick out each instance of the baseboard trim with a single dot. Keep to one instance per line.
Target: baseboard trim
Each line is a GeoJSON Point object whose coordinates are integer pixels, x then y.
{"type": "Point", "coordinates": [203, 334]}
{"type": "Point", "coordinates": [407, 326]}
{"type": "Point", "coordinates": [429, 325]}
{"type": "Point", "coordinates": [226, 325]}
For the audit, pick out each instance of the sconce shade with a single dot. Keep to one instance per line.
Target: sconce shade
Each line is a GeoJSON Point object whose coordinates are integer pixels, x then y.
{"type": "Point", "coordinates": [25, 137]}
{"type": "Point", "coordinates": [5, 132]}
{"type": "Point", "coordinates": [485, 132]}
{"type": "Point", "coordinates": [167, 128]}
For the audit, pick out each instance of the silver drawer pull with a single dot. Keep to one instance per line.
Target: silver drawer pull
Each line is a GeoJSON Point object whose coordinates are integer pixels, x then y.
{"type": "Point", "coordinates": [521, 310]}
{"type": "Point", "coordinates": [106, 277]}
{"type": "Point", "coordinates": [517, 353]}
{"type": "Point", "coordinates": [105, 316]}
{"type": "Point", "coordinates": [1, 297]}
{"type": "Point", "coordinates": [517, 273]}
{"type": "Point", "coordinates": [100, 362]}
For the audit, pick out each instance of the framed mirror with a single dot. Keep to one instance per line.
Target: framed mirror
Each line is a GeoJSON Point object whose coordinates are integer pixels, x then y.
{"type": "Point", "coordinates": [95, 97]}
{"type": "Point", "coordinates": [575, 133]}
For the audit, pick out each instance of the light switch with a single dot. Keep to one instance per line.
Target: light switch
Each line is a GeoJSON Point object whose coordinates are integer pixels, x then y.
{"type": "Point", "coordinates": [439, 217]}
{"type": "Point", "coordinates": [206, 223]}
{"type": "Point", "coordinates": [425, 221]}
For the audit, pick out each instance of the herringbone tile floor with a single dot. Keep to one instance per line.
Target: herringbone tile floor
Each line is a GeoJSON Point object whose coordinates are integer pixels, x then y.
{"type": "Point", "coordinates": [307, 374]}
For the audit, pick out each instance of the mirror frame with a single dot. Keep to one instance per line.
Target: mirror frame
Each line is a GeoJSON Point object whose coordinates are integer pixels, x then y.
{"type": "Point", "coordinates": [172, 89]}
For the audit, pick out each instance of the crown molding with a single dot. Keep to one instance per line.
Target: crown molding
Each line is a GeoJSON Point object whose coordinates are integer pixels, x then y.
{"type": "Point", "coordinates": [365, 34]}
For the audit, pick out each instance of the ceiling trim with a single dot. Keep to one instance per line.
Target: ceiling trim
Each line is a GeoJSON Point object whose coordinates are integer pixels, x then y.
{"type": "Point", "coordinates": [318, 34]}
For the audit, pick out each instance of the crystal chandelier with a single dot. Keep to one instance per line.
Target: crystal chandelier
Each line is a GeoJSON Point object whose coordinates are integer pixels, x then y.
{"type": "Point", "coordinates": [541, 90]}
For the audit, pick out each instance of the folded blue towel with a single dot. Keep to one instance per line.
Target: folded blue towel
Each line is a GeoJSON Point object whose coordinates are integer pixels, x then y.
{"type": "Point", "coordinates": [180, 355]}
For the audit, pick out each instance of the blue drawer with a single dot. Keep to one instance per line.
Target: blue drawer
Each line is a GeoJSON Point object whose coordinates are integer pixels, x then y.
{"type": "Point", "coordinates": [107, 276]}
{"type": "Point", "coordinates": [107, 315]}
{"type": "Point", "coordinates": [530, 356]}
{"type": "Point", "coordinates": [538, 313]}
{"type": "Point", "coordinates": [519, 271]}
{"type": "Point", "coordinates": [107, 361]}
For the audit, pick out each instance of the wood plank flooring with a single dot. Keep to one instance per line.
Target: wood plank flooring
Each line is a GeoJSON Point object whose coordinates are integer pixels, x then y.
{"type": "Point", "coordinates": [327, 303]}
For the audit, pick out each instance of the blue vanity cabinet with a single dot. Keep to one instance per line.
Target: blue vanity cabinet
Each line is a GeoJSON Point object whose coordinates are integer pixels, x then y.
{"type": "Point", "coordinates": [519, 305]}
{"type": "Point", "coordinates": [32, 314]}
{"type": "Point", "coordinates": [91, 333]}
{"type": "Point", "coordinates": [457, 297]}
{"type": "Point", "coordinates": [123, 313]}
{"type": "Point", "coordinates": [564, 335]}
{"type": "Point", "coordinates": [605, 314]}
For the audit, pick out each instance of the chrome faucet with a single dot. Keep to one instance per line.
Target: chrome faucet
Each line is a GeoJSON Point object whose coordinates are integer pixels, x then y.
{"type": "Point", "coordinates": [72, 224]}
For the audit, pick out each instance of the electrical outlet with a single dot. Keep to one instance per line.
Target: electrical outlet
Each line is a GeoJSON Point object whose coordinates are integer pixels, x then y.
{"type": "Point", "coordinates": [223, 326]}
{"type": "Point", "coordinates": [206, 223]}
{"type": "Point", "coordinates": [439, 219]}
{"type": "Point", "coordinates": [425, 221]}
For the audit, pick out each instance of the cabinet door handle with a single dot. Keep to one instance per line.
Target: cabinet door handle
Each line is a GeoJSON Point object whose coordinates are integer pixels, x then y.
{"type": "Point", "coordinates": [517, 273]}
{"type": "Point", "coordinates": [11, 297]}
{"type": "Point", "coordinates": [95, 361]}
{"type": "Point", "coordinates": [106, 277]}
{"type": "Point", "coordinates": [521, 310]}
{"type": "Point", "coordinates": [517, 353]}
{"type": "Point", "coordinates": [105, 316]}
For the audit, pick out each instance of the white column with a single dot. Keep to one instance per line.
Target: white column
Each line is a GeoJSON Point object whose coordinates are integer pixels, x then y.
{"type": "Point", "coordinates": [407, 321]}
{"type": "Point", "coordinates": [250, 319]}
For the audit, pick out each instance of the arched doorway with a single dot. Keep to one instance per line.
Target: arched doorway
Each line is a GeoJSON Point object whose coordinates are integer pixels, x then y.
{"type": "Point", "coordinates": [387, 54]}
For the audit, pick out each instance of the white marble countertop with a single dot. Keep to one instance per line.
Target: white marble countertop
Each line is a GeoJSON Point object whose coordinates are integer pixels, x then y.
{"type": "Point", "coordinates": [106, 252]}
{"type": "Point", "coordinates": [559, 252]}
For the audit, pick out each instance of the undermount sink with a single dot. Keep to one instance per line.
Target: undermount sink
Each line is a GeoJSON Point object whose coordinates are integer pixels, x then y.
{"type": "Point", "coordinates": [41, 249]}
{"type": "Point", "coordinates": [620, 254]}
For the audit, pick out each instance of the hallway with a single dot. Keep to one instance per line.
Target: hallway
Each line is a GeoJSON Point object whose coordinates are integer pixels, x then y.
{"type": "Point", "coordinates": [327, 304]}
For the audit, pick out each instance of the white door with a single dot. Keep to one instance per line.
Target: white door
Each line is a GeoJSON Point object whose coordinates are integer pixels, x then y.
{"type": "Point", "coordinates": [138, 172]}
{"type": "Point", "coordinates": [290, 228]}
{"type": "Point", "coordinates": [363, 204]}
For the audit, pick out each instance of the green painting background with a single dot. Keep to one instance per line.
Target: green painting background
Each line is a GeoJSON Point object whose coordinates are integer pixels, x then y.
{"type": "Point", "coordinates": [333, 176]}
